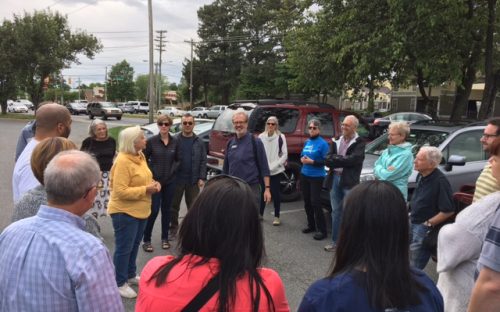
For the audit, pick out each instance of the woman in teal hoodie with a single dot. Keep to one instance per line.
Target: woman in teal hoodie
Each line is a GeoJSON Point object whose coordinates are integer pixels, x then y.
{"type": "Point", "coordinates": [396, 162]}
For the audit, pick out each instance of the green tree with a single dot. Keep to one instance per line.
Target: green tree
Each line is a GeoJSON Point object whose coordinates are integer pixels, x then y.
{"type": "Point", "coordinates": [7, 67]}
{"type": "Point", "coordinates": [44, 45]}
{"type": "Point", "coordinates": [120, 84]}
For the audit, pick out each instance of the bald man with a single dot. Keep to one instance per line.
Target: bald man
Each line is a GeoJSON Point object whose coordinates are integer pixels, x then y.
{"type": "Point", "coordinates": [52, 120]}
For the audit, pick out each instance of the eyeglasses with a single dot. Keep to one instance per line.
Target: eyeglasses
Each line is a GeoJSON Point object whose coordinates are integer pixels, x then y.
{"type": "Point", "coordinates": [88, 191]}
{"type": "Point", "coordinates": [271, 124]}
{"type": "Point", "coordinates": [313, 128]}
{"type": "Point", "coordinates": [487, 136]}
{"type": "Point", "coordinates": [185, 123]}
{"type": "Point", "coordinates": [166, 124]}
{"type": "Point", "coordinates": [239, 122]}
{"type": "Point", "coordinates": [239, 181]}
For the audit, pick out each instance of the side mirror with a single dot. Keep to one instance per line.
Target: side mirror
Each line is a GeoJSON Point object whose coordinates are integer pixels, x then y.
{"type": "Point", "coordinates": [454, 160]}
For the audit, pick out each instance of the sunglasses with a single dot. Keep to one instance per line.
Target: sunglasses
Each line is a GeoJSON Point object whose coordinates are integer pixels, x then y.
{"type": "Point", "coordinates": [166, 124]}
{"type": "Point", "coordinates": [271, 124]}
{"type": "Point", "coordinates": [221, 176]}
{"type": "Point", "coordinates": [313, 128]}
{"type": "Point", "coordinates": [185, 123]}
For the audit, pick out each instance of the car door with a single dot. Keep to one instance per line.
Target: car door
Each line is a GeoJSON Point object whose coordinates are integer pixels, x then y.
{"type": "Point", "coordinates": [465, 143]}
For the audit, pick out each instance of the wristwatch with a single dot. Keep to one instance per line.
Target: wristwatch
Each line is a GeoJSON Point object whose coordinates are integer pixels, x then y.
{"type": "Point", "coordinates": [427, 223]}
{"type": "Point", "coordinates": [267, 186]}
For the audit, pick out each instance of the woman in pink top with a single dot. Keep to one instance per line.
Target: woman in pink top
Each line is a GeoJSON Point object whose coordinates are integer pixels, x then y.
{"type": "Point", "coordinates": [221, 236]}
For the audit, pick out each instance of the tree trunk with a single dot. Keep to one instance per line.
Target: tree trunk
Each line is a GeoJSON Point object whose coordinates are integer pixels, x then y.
{"type": "Point", "coordinates": [428, 105]}
{"type": "Point", "coordinates": [490, 87]}
{"type": "Point", "coordinates": [371, 95]}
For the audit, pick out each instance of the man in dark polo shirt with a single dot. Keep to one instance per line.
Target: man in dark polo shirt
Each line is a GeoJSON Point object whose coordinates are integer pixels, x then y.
{"type": "Point", "coordinates": [246, 159]}
{"type": "Point", "coordinates": [431, 203]}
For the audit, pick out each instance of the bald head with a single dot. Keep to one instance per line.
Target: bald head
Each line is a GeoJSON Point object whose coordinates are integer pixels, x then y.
{"type": "Point", "coordinates": [52, 120]}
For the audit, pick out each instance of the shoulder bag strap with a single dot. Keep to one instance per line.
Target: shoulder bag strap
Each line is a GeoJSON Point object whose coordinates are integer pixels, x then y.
{"type": "Point", "coordinates": [203, 296]}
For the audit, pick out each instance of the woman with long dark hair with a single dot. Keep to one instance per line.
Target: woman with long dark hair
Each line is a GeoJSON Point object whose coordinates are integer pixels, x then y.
{"type": "Point", "coordinates": [371, 269]}
{"type": "Point", "coordinates": [219, 242]}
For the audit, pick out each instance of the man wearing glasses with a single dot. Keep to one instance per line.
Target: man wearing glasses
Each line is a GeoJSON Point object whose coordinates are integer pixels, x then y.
{"type": "Point", "coordinates": [246, 159]}
{"type": "Point", "coordinates": [486, 183]}
{"type": "Point", "coordinates": [192, 172]}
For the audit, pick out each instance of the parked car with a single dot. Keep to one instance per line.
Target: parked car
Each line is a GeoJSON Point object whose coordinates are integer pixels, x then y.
{"type": "Point", "coordinates": [104, 110]}
{"type": "Point", "coordinates": [139, 107]}
{"type": "Point", "coordinates": [152, 129]}
{"type": "Point", "coordinates": [171, 111]}
{"type": "Point", "coordinates": [127, 108]}
{"type": "Point", "coordinates": [26, 103]}
{"type": "Point", "coordinates": [76, 108]}
{"type": "Point", "coordinates": [199, 112]}
{"type": "Point", "coordinates": [215, 111]}
{"type": "Point", "coordinates": [463, 154]}
{"type": "Point", "coordinates": [17, 107]}
{"type": "Point", "coordinates": [380, 124]}
{"type": "Point", "coordinates": [293, 118]}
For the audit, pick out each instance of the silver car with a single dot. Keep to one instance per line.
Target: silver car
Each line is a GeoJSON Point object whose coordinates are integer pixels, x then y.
{"type": "Point", "coordinates": [463, 154]}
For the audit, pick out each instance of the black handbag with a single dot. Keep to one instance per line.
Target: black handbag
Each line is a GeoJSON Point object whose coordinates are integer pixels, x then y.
{"type": "Point", "coordinates": [204, 295]}
{"type": "Point", "coordinates": [431, 237]}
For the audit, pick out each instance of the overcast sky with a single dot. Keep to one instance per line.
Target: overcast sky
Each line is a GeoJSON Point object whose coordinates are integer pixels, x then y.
{"type": "Point", "coordinates": [122, 27]}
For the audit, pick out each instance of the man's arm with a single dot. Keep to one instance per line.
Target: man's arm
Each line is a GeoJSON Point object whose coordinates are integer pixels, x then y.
{"type": "Point", "coordinates": [354, 159]}
{"type": "Point", "coordinates": [440, 218]}
{"type": "Point", "coordinates": [486, 293]}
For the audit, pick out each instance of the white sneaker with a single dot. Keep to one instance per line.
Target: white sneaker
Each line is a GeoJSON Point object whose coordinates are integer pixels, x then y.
{"type": "Point", "coordinates": [276, 221]}
{"type": "Point", "coordinates": [127, 292]}
{"type": "Point", "coordinates": [134, 280]}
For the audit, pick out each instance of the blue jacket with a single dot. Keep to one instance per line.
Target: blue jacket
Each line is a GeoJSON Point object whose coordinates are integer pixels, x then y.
{"type": "Point", "coordinates": [316, 149]}
{"type": "Point", "coordinates": [401, 158]}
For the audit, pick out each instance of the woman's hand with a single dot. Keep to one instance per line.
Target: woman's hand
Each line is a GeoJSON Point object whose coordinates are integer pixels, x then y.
{"type": "Point", "coordinates": [152, 188]}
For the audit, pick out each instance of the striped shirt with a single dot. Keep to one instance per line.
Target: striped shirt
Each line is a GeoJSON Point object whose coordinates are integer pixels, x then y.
{"type": "Point", "coordinates": [49, 263]}
{"type": "Point", "coordinates": [485, 184]}
{"type": "Point", "coordinates": [490, 253]}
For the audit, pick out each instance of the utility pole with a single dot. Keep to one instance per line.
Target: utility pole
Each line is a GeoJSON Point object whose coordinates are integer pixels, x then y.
{"type": "Point", "coordinates": [79, 90]}
{"type": "Point", "coordinates": [151, 62]}
{"type": "Point", "coordinates": [106, 84]}
{"type": "Point", "coordinates": [191, 74]}
{"type": "Point", "coordinates": [160, 47]}
{"type": "Point", "coordinates": [157, 81]}
{"type": "Point", "coordinates": [62, 90]}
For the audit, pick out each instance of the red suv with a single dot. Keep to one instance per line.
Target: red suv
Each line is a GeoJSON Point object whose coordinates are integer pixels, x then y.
{"type": "Point", "coordinates": [293, 117]}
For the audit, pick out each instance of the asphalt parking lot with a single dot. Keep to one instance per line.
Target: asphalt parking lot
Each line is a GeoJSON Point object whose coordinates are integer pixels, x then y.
{"type": "Point", "coordinates": [297, 258]}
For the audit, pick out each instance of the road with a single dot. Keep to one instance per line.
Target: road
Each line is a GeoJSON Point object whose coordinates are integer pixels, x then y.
{"type": "Point", "coordinates": [297, 257]}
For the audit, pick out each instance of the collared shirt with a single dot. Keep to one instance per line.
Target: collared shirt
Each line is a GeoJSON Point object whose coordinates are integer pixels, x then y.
{"type": "Point", "coordinates": [485, 184]}
{"type": "Point", "coordinates": [432, 195]}
{"type": "Point", "coordinates": [342, 149]}
{"type": "Point", "coordinates": [23, 178]}
{"type": "Point", "coordinates": [48, 263]}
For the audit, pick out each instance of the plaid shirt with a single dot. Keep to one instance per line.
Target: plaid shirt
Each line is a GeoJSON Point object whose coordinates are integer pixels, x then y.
{"type": "Point", "coordinates": [48, 263]}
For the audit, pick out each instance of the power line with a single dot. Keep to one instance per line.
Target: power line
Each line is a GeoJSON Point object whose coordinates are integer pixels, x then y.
{"type": "Point", "coordinates": [54, 3]}
{"type": "Point", "coordinates": [83, 7]}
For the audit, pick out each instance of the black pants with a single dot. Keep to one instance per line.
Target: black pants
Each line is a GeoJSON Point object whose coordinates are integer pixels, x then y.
{"type": "Point", "coordinates": [311, 191]}
{"type": "Point", "coordinates": [274, 182]}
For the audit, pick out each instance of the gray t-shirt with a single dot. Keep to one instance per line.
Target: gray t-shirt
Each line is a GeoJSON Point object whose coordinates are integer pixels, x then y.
{"type": "Point", "coordinates": [490, 254]}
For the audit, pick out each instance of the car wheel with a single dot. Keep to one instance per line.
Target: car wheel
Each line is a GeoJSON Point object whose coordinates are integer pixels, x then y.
{"type": "Point", "coordinates": [289, 182]}
{"type": "Point", "coordinates": [205, 116]}
{"type": "Point", "coordinates": [91, 116]}
{"type": "Point", "coordinates": [104, 117]}
{"type": "Point", "coordinates": [171, 114]}
{"type": "Point", "coordinates": [119, 118]}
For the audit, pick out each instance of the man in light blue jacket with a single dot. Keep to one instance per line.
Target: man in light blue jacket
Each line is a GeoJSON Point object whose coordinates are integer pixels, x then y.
{"type": "Point", "coordinates": [396, 162]}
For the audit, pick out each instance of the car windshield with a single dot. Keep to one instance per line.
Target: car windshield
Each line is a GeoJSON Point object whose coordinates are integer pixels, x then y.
{"type": "Point", "coordinates": [225, 120]}
{"type": "Point", "coordinates": [417, 138]}
{"type": "Point", "coordinates": [106, 104]}
{"type": "Point", "coordinates": [200, 128]}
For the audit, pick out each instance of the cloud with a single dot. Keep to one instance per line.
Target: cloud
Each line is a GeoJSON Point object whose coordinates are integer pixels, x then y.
{"type": "Point", "coordinates": [122, 28]}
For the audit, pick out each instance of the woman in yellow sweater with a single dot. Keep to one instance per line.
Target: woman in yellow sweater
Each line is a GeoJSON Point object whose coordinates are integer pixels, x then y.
{"type": "Point", "coordinates": [130, 205]}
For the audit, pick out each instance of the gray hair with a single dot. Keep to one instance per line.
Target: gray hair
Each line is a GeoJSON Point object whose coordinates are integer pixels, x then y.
{"type": "Point", "coordinates": [241, 113]}
{"type": "Point", "coordinates": [401, 127]}
{"type": "Point", "coordinates": [127, 138]}
{"type": "Point", "coordinates": [354, 119]}
{"type": "Point", "coordinates": [69, 175]}
{"type": "Point", "coordinates": [277, 127]}
{"type": "Point", "coordinates": [315, 122]}
{"type": "Point", "coordinates": [93, 126]}
{"type": "Point", "coordinates": [433, 154]}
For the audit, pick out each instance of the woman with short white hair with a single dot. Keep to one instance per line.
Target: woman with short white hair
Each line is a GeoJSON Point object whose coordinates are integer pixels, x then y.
{"type": "Point", "coordinates": [103, 148]}
{"type": "Point", "coordinates": [396, 162]}
{"type": "Point", "coordinates": [130, 205]}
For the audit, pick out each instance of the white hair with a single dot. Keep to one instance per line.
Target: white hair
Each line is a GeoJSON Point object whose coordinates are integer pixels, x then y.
{"type": "Point", "coordinates": [433, 154]}
{"type": "Point", "coordinates": [401, 127]}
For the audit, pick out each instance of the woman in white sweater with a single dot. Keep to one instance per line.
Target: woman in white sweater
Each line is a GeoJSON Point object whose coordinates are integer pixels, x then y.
{"type": "Point", "coordinates": [277, 154]}
{"type": "Point", "coordinates": [459, 247]}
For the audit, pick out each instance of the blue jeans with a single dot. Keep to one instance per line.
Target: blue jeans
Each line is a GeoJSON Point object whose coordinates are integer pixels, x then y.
{"type": "Point", "coordinates": [164, 200]}
{"type": "Point", "coordinates": [337, 195]}
{"type": "Point", "coordinates": [128, 234]}
{"type": "Point", "coordinates": [419, 255]}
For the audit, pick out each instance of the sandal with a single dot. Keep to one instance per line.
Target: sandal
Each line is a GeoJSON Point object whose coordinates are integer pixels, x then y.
{"type": "Point", "coordinates": [165, 244]}
{"type": "Point", "coordinates": [147, 247]}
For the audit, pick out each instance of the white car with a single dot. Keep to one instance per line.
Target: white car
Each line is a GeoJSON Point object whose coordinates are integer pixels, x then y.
{"type": "Point", "coordinates": [199, 112]}
{"type": "Point", "coordinates": [17, 108]}
{"type": "Point", "coordinates": [26, 103]}
{"type": "Point", "coordinates": [171, 111]}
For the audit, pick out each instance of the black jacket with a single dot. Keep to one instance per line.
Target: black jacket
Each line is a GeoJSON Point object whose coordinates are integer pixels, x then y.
{"type": "Point", "coordinates": [163, 160]}
{"type": "Point", "coordinates": [352, 163]}
{"type": "Point", "coordinates": [198, 159]}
